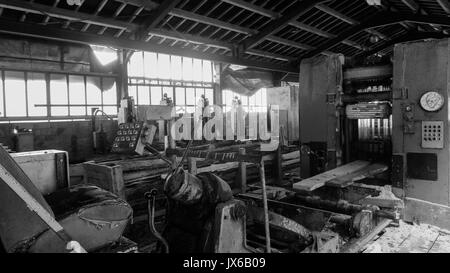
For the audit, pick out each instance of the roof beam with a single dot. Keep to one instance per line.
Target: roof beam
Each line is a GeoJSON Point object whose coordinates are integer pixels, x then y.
{"type": "Point", "coordinates": [174, 35]}
{"type": "Point", "coordinates": [408, 37]}
{"type": "Point", "coordinates": [210, 21]}
{"type": "Point", "coordinates": [348, 20]}
{"type": "Point", "coordinates": [65, 14]}
{"type": "Point", "coordinates": [415, 7]}
{"type": "Point", "coordinates": [290, 43]}
{"type": "Point", "coordinates": [423, 19]}
{"type": "Point", "coordinates": [59, 34]}
{"type": "Point", "coordinates": [337, 14]}
{"type": "Point", "coordinates": [445, 5]}
{"type": "Point", "coordinates": [295, 11]}
{"type": "Point", "coordinates": [411, 4]}
{"type": "Point", "coordinates": [311, 29]}
{"type": "Point", "coordinates": [159, 14]}
{"type": "Point", "coordinates": [375, 21]}
{"type": "Point", "coordinates": [217, 44]}
{"type": "Point", "coordinates": [147, 4]}
{"type": "Point", "coordinates": [269, 55]}
{"type": "Point", "coordinates": [324, 34]}
{"type": "Point", "coordinates": [253, 8]}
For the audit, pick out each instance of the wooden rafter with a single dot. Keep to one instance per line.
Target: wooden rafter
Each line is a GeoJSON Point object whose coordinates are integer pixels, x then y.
{"type": "Point", "coordinates": [64, 14]}
{"type": "Point", "coordinates": [65, 35]}
{"type": "Point", "coordinates": [299, 8]}
{"type": "Point", "coordinates": [445, 5]}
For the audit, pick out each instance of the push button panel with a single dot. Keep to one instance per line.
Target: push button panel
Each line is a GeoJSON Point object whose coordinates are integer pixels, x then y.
{"type": "Point", "coordinates": [433, 134]}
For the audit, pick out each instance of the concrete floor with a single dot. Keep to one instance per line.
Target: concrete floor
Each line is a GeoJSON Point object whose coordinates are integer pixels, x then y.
{"type": "Point", "coordinates": [408, 238]}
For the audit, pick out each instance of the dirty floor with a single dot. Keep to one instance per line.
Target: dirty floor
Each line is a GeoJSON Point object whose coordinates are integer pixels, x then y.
{"type": "Point", "coordinates": [409, 238]}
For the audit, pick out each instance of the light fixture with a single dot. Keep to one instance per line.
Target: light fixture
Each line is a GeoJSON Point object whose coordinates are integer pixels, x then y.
{"type": "Point", "coordinates": [374, 39]}
{"type": "Point", "coordinates": [74, 2]}
{"type": "Point", "coordinates": [105, 55]}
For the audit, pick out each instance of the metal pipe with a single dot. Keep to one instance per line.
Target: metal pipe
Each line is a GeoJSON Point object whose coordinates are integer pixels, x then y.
{"type": "Point", "coordinates": [151, 196]}
{"type": "Point", "coordinates": [266, 207]}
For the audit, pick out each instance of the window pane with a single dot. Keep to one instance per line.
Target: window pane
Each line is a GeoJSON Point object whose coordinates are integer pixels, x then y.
{"type": "Point", "coordinates": [207, 73]}
{"type": "Point", "coordinates": [188, 72]}
{"type": "Point", "coordinates": [198, 70]}
{"type": "Point", "coordinates": [58, 94]}
{"type": "Point", "coordinates": [2, 111]}
{"type": "Point", "coordinates": [198, 94]}
{"type": "Point", "coordinates": [77, 95]}
{"type": "Point", "coordinates": [37, 94]}
{"type": "Point", "coordinates": [263, 97]}
{"type": "Point", "coordinates": [150, 65]}
{"type": "Point", "coordinates": [136, 65]}
{"type": "Point", "coordinates": [156, 95]}
{"type": "Point", "coordinates": [176, 68]}
{"type": "Point", "coordinates": [164, 66]}
{"type": "Point", "coordinates": [94, 93]}
{"type": "Point", "coordinates": [244, 100]}
{"type": "Point", "coordinates": [209, 94]}
{"type": "Point", "coordinates": [169, 92]}
{"type": "Point", "coordinates": [180, 93]}
{"type": "Point", "coordinates": [132, 92]}
{"type": "Point", "coordinates": [190, 96]}
{"type": "Point", "coordinates": [144, 95]}
{"type": "Point", "coordinates": [110, 96]}
{"type": "Point", "coordinates": [15, 94]}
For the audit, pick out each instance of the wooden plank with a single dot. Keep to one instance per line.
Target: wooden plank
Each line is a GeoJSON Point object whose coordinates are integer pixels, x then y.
{"type": "Point", "coordinates": [320, 180]}
{"type": "Point", "coordinates": [421, 240]}
{"type": "Point", "coordinates": [349, 179]}
{"type": "Point", "coordinates": [356, 245]}
{"type": "Point", "coordinates": [441, 245]}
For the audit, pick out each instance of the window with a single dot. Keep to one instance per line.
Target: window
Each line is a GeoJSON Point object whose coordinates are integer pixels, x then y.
{"type": "Point", "coordinates": [77, 96]}
{"type": "Point", "coordinates": [255, 103]}
{"type": "Point", "coordinates": [26, 94]}
{"type": "Point", "coordinates": [15, 94]}
{"type": "Point", "coordinates": [37, 94]}
{"type": "Point", "coordinates": [184, 80]}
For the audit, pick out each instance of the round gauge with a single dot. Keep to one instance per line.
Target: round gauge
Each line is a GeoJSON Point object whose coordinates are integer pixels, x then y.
{"type": "Point", "coordinates": [432, 101]}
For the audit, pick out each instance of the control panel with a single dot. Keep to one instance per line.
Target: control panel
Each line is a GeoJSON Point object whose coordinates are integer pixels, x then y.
{"type": "Point", "coordinates": [127, 138]}
{"type": "Point", "coordinates": [432, 134]}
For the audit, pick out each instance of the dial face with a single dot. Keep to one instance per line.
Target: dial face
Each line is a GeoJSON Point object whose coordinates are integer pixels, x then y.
{"type": "Point", "coordinates": [432, 101]}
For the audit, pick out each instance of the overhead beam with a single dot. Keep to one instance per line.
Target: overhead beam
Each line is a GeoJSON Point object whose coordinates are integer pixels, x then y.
{"type": "Point", "coordinates": [411, 4]}
{"type": "Point", "coordinates": [348, 20]}
{"type": "Point", "coordinates": [375, 21]}
{"type": "Point", "coordinates": [59, 34]}
{"type": "Point", "coordinates": [273, 16]}
{"type": "Point", "coordinates": [147, 4]}
{"type": "Point", "coordinates": [295, 11]}
{"type": "Point", "coordinates": [290, 43]}
{"type": "Point", "coordinates": [217, 44]}
{"type": "Point", "coordinates": [445, 5]}
{"type": "Point", "coordinates": [423, 19]}
{"type": "Point", "coordinates": [157, 15]}
{"type": "Point", "coordinates": [408, 37]}
{"type": "Point", "coordinates": [193, 39]}
{"type": "Point", "coordinates": [337, 14]}
{"type": "Point", "coordinates": [253, 8]}
{"type": "Point", "coordinates": [65, 14]}
{"type": "Point", "coordinates": [210, 21]}
{"type": "Point", "coordinates": [269, 55]}
{"type": "Point", "coordinates": [311, 29]}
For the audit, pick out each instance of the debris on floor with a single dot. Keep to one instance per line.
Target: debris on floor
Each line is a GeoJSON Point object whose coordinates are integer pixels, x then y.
{"type": "Point", "coordinates": [411, 238]}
